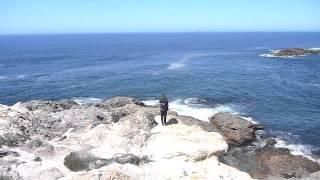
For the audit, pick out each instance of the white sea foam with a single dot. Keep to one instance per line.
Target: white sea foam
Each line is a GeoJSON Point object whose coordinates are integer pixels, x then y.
{"type": "Point", "coordinates": [314, 49]}
{"type": "Point", "coordinates": [176, 65]}
{"type": "Point", "coordinates": [4, 77]}
{"type": "Point", "coordinates": [268, 55]}
{"type": "Point", "coordinates": [199, 111]}
{"type": "Point", "coordinates": [181, 62]}
{"type": "Point", "coordinates": [21, 76]}
{"type": "Point", "coordinates": [86, 100]}
{"type": "Point", "coordinates": [296, 149]}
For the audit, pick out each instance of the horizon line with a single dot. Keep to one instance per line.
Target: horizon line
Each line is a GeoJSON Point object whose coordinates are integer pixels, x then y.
{"type": "Point", "coordinates": [150, 32]}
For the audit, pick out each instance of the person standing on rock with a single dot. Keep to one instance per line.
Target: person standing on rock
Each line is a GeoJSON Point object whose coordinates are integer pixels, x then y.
{"type": "Point", "coordinates": [164, 106]}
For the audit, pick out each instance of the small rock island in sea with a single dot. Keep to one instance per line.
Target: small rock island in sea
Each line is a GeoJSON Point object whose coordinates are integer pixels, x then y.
{"type": "Point", "coordinates": [121, 138]}
{"type": "Point", "coordinates": [292, 52]}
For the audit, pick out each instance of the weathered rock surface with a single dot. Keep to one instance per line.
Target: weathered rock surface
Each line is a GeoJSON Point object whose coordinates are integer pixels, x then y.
{"type": "Point", "coordinates": [191, 121]}
{"type": "Point", "coordinates": [235, 130]}
{"type": "Point", "coordinates": [279, 162]}
{"type": "Point", "coordinates": [117, 138]}
{"type": "Point", "coordinates": [269, 162]}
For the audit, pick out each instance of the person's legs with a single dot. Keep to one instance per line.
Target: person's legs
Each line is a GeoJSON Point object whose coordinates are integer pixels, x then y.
{"type": "Point", "coordinates": [162, 116]}
{"type": "Point", "coordinates": [165, 118]}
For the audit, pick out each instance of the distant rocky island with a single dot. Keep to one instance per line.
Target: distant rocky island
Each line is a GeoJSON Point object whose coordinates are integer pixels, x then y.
{"type": "Point", "coordinates": [292, 52]}
{"type": "Point", "coordinates": [121, 138]}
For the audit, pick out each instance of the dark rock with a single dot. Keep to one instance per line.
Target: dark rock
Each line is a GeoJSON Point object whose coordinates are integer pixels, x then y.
{"type": "Point", "coordinates": [115, 117]}
{"type": "Point", "coordinates": [295, 52]}
{"type": "Point", "coordinates": [236, 131]}
{"type": "Point", "coordinates": [190, 121]}
{"type": "Point", "coordinates": [270, 142]}
{"type": "Point", "coordinates": [9, 153]}
{"type": "Point", "coordinates": [2, 141]}
{"type": "Point", "coordinates": [195, 101]}
{"type": "Point", "coordinates": [14, 139]}
{"type": "Point", "coordinates": [126, 158]}
{"type": "Point", "coordinates": [102, 118]}
{"type": "Point", "coordinates": [78, 161]}
{"type": "Point", "coordinates": [172, 121]}
{"type": "Point", "coordinates": [37, 159]}
{"type": "Point", "coordinates": [279, 162]}
{"type": "Point", "coordinates": [269, 162]}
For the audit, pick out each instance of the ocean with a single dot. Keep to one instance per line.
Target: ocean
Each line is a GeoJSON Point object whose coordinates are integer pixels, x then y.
{"type": "Point", "coordinates": [220, 71]}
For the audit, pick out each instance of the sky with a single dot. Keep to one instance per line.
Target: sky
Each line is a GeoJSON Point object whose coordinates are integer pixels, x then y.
{"type": "Point", "coordinates": [121, 16]}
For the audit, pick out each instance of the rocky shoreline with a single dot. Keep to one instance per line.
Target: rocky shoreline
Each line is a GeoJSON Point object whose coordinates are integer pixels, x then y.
{"type": "Point", "coordinates": [121, 138]}
{"type": "Point", "coordinates": [292, 52]}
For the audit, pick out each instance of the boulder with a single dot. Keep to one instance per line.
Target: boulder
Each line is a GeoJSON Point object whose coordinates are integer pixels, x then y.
{"type": "Point", "coordinates": [195, 101]}
{"type": "Point", "coordinates": [237, 131]}
{"type": "Point", "coordinates": [190, 121]}
{"type": "Point", "coordinates": [280, 162]}
{"type": "Point", "coordinates": [172, 121]}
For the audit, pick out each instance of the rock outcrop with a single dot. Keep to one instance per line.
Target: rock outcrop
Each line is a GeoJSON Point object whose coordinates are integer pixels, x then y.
{"type": "Point", "coordinates": [279, 162]}
{"type": "Point", "coordinates": [269, 162]}
{"type": "Point", "coordinates": [118, 138]}
{"type": "Point", "coordinates": [291, 52]}
{"type": "Point", "coordinates": [237, 131]}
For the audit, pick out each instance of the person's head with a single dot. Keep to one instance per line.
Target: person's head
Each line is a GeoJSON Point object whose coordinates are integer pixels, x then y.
{"type": "Point", "coordinates": [163, 96]}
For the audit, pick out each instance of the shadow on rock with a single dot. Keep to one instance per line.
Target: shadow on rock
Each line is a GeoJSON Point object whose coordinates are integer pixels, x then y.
{"type": "Point", "coordinates": [172, 121]}
{"type": "Point", "coordinates": [79, 161]}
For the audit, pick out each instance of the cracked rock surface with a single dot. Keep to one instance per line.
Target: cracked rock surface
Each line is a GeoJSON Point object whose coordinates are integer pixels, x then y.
{"type": "Point", "coordinates": [119, 138]}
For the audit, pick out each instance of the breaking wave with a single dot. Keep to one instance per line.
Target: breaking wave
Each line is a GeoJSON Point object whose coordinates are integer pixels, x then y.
{"type": "Point", "coordinates": [86, 100]}
{"type": "Point", "coordinates": [193, 107]}
{"type": "Point", "coordinates": [176, 65]}
{"type": "Point", "coordinates": [181, 62]}
{"type": "Point", "coordinates": [4, 77]}
{"type": "Point", "coordinates": [197, 108]}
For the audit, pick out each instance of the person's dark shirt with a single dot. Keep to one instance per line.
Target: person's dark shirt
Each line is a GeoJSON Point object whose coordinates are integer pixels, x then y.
{"type": "Point", "coordinates": [164, 104]}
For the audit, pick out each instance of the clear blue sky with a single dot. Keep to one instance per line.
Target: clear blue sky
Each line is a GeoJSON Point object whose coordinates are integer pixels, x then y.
{"type": "Point", "coordinates": [89, 16]}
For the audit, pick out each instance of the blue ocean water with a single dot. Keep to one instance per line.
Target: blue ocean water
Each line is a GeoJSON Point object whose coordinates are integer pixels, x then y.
{"type": "Point", "coordinates": [222, 68]}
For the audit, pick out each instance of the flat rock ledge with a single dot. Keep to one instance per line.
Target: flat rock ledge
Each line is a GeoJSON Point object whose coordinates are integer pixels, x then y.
{"type": "Point", "coordinates": [119, 138]}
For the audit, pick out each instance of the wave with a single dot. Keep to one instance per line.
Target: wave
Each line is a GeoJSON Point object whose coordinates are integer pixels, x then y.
{"type": "Point", "coordinates": [258, 48]}
{"type": "Point", "coordinates": [177, 65]}
{"type": "Point", "coordinates": [292, 142]}
{"type": "Point", "coordinates": [86, 100]}
{"type": "Point", "coordinates": [314, 49]}
{"type": "Point", "coordinates": [197, 108]}
{"type": "Point", "coordinates": [188, 107]}
{"type": "Point", "coordinates": [181, 62]}
{"type": "Point", "coordinates": [21, 76]}
{"type": "Point", "coordinates": [4, 77]}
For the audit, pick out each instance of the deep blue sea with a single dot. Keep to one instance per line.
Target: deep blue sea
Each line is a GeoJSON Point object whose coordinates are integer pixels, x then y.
{"type": "Point", "coordinates": [224, 69]}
